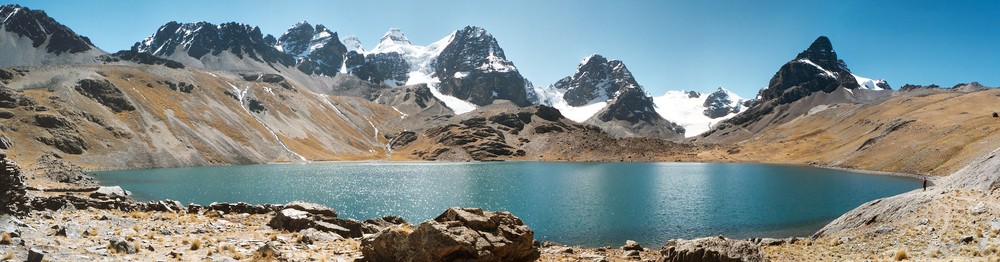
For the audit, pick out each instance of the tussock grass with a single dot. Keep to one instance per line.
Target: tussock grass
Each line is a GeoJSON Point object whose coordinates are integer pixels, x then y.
{"type": "Point", "coordinates": [6, 239]}
{"type": "Point", "coordinates": [196, 244]}
{"type": "Point", "coordinates": [989, 250]}
{"type": "Point", "coordinates": [901, 255]}
{"type": "Point", "coordinates": [7, 257]}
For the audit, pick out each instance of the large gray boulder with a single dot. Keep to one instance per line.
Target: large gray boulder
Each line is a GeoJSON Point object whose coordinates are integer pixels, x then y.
{"type": "Point", "coordinates": [298, 216]}
{"type": "Point", "coordinates": [711, 249]}
{"type": "Point", "coordinates": [457, 234]}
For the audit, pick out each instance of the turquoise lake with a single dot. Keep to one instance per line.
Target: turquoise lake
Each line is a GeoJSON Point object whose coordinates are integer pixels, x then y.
{"type": "Point", "coordinates": [589, 204]}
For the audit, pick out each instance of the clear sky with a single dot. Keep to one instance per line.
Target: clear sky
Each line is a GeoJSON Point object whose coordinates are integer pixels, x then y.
{"type": "Point", "coordinates": [668, 45]}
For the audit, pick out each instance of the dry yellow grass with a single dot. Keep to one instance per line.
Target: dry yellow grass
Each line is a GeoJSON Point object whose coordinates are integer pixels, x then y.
{"type": "Point", "coordinates": [8, 257]}
{"type": "Point", "coordinates": [5, 238]}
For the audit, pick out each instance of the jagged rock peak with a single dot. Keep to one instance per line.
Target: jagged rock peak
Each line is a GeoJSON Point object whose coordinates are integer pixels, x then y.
{"type": "Point", "coordinates": [596, 79]}
{"type": "Point", "coordinates": [353, 44]}
{"type": "Point", "coordinates": [302, 38]}
{"type": "Point", "coordinates": [473, 67]}
{"type": "Point", "coordinates": [39, 27]}
{"type": "Point", "coordinates": [821, 53]}
{"type": "Point", "coordinates": [203, 38]}
{"type": "Point", "coordinates": [721, 103]}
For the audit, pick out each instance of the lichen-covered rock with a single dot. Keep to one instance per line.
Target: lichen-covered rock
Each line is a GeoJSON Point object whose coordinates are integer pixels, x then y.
{"type": "Point", "coordinates": [457, 234]}
{"type": "Point", "coordinates": [711, 249]}
{"type": "Point", "coordinates": [123, 246]}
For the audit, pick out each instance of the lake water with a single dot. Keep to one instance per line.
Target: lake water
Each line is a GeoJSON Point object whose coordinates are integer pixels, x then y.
{"type": "Point", "coordinates": [590, 204]}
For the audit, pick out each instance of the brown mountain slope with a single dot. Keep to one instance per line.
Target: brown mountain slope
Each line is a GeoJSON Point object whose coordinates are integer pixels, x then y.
{"type": "Point", "coordinates": [912, 132]}
{"type": "Point", "coordinates": [106, 117]}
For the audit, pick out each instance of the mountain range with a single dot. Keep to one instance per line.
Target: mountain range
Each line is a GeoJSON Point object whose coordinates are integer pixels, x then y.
{"type": "Point", "coordinates": [202, 93]}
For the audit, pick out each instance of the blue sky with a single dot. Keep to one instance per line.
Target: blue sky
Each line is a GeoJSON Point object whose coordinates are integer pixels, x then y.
{"type": "Point", "coordinates": [668, 45]}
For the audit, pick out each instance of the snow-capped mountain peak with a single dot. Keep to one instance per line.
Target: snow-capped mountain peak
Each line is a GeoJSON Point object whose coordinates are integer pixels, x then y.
{"type": "Point", "coordinates": [596, 79]}
{"type": "Point", "coordinates": [391, 40]}
{"type": "Point", "coordinates": [353, 44]}
{"type": "Point", "coordinates": [302, 38]}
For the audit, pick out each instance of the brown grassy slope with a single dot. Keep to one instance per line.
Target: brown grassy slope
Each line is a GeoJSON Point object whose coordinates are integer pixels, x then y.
{"type": "Point", "coordinates": [947, 130]}
{"type": "Point", "coordinates": [204, 127]}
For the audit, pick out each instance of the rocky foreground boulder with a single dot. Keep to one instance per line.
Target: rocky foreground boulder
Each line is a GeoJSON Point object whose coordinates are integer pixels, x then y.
{"type": "Point", "coordinates": [711, 249]}
{"type": "Point", "coordinates": [298, 216]}
{"type": "Point", "coordinates": [458, 234]}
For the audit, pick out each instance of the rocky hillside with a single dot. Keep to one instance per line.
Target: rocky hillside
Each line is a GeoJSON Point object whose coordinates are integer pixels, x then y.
{"type": "Point", "coordinates": [146, 116]}
{"type": "Point", "coordinates": [924, 131]}
{"type": "Point", "coordinates": [504, 131]}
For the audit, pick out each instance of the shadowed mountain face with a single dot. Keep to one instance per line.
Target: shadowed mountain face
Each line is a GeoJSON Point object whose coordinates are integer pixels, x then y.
{"type": "Point", "coordinates": [317, 50]}
{"type": "Point", "coordinates": [596, 79]}
{"type": "Point", "coordinates": [473, 67]}
{"type": "Point", "coordinates": [39, 27]}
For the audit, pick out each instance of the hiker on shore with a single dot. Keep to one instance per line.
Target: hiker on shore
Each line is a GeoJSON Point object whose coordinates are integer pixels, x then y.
{"type": "Point", "coordinates": [925, 183]}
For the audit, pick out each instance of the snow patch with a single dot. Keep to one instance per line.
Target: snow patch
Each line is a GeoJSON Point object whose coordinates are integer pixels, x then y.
{"type": "Point", "coordinates": [825, 72]}
{"type": "Point", "coordinates": [678, 107]}
{"type": "Point", "coordinates": [868, 83]}
{"type": "Point", "coordinates": [402, 115]}
{"type": "Point", "coordinates": [241, 95]}
{"type": "Point", "coordinates": [458, 105]}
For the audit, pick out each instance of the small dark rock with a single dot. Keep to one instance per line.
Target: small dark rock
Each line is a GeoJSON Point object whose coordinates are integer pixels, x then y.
{"type": "Point", "coordinates": [35, 255]}
{"type": "Point", "coordinates": [966, 239]}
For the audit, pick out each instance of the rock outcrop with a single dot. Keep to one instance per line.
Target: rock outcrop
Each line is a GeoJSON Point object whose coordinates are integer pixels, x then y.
{"type": "Point", "coordinates": [458, 234]}
{"type": "Point", "coordinates": [139, 58]}
{"type": "Point", "coordinates": [298, 216]}
{"type": "Point", "coordinates": [105, 93]}
{"type": "Point", "coordinates": [711, 249]}
{"type": "Point", "coordinates": [13, 190]}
